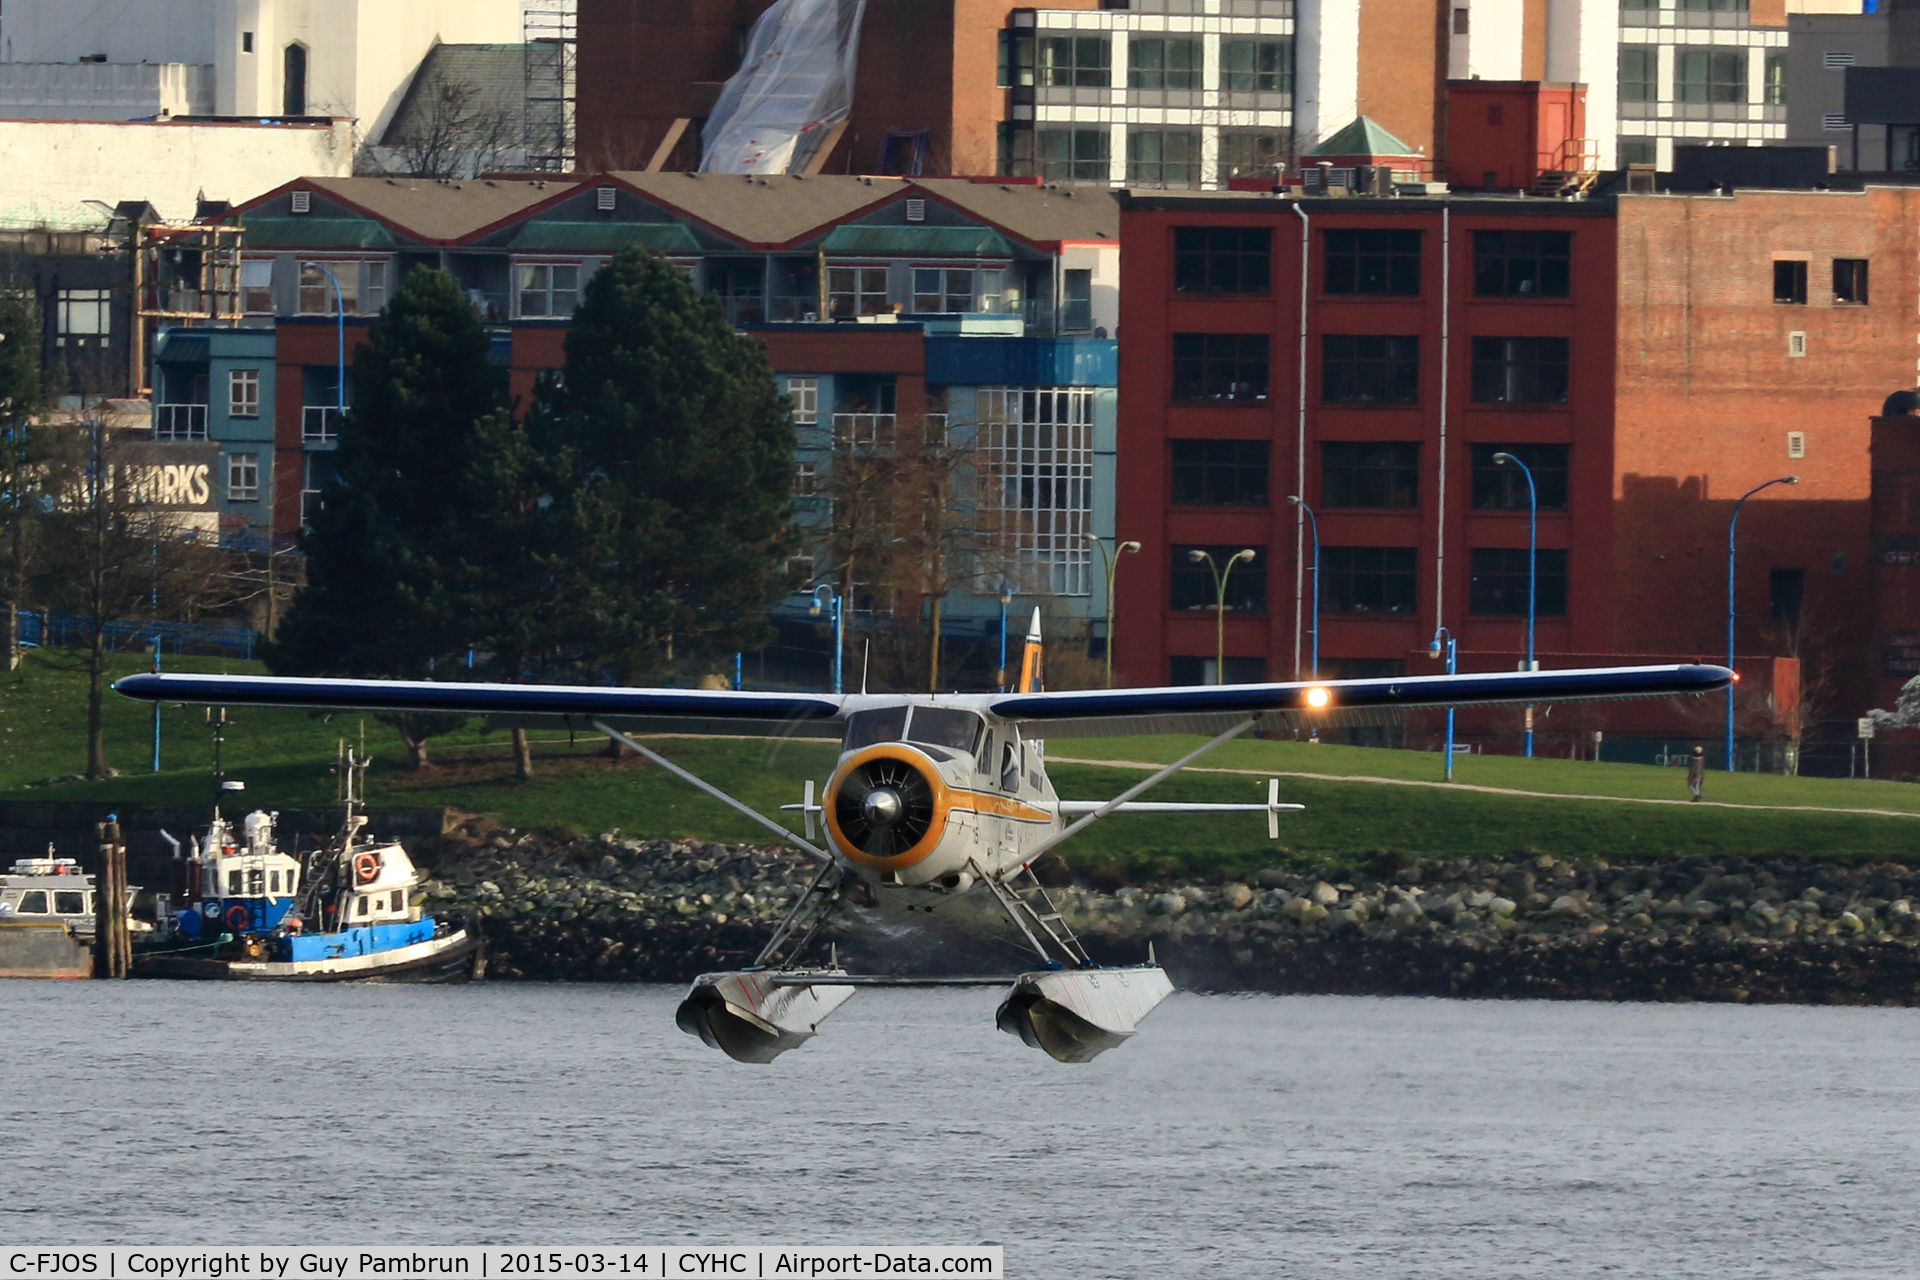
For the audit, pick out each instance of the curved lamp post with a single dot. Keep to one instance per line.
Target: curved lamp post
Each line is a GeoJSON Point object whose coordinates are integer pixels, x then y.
{"type": "Point", "coordinates": [1533, 552]}
{"type": "Point", "coordinates": [1433, 651]}
{"type": "Point", "coordinates": [1112, 559]}
{"type": "Point", "coordinates": [1220, 573]}
{"type": "Point", "coordinates": [1006, 598]}
{"type": "Point", "coordinates": [831, 605]}
{"type": "Point", "coordinates": [1732, 522]}
{"type": "Point", "coordinates": [1314, 631]}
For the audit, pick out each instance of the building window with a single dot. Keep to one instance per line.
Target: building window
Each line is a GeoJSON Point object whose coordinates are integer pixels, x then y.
{"type": "Point", "coordinates": [1462, 21]}
{"type": "Point", "coordinates": [85, 318]}
{"type": "Point", "coordinates": [256, 286]}
{"type": "Point", "coordinates": [1367, 580]}
{"type": "Point", "coordinates": [1193, 585]}
{"type": "Point", "coordinates": [1163, 157]}
{"type": "Point", "coordinates": [805, 393]}
{"type": "Point", "coordinates": [1014, 63]}
{"type": "Point", "coordinates": [1790, 283]}
{"type": "Point", "coordinates": [315, 468]}
{"type": "Point", "coordinates": [1184, 670]}
{"type": "Point", "coordinates": [1365, 369]}
{"type": "Point", "coordinates": [1639, 74]}
{"type": "Point", "coordinates": [1038, 444]}
{"type": "Point", "coordinates": [1075, 61]}
{"type": "Point", "coordinates": [1639, 151]}
{"type": "Point", "coordinates": [243, 393]}
{"type": "Point", "coordinates": [1714, 75]}
{"type": "Point", "coordinates": [1154, 63]}
{"type": "Point", "coordinates": [1369, 474]}
{"type": "Point", "coordinates": [1521, 264]}
{"type": "Point", "coordinates": [806, 480]}
{"type": "Point", "coordinates": [317, 282]}
{"type": "Point", "coordinates": [1499, 581]}
{"type": "Point", "coordinates": [293, 81]}
{"type": "Point", "coordinates": [1519, 370]}
{"type": "Point", "coordinates": [1256, 66]}
{"type": "Point", "coordinates": [1785, 587]}
{"type": "Point", "coordinates": [856, 291]}
{"type": "Point", "coordinates": [243, 477]}
{"type": "Point", "coordinates": [1222, 260]}
{"type": "Point", "coordinates": [375, 295]}
{"type": "Point", "coordinates": [1071, 155]}
{"type": "Point", "coordinates": [548, 289]}
{"type": "Point", "coordinates": [1220, 473]}
{"type": "Point", "coordinates": [904, 151]}
{"type": "Point", "coordinates": [943, 290]}
{"type": "Point", "coordinates": [1850, 280]}
{"type": "Point", "coordinates": [1220, 366]}
{"type": "Point", "coordinates": [1373, 262]}
{"type": "Point", "coordinates": [246, 42]}
{"type": "Point", "coordinates": [1077, 313]}
{"type": "Point", "coordinates": [1498, 487]}
{"type": "Point", "coordinates": [1776, 73]}
{"type": "Point", "coordinates": [1247, 153]}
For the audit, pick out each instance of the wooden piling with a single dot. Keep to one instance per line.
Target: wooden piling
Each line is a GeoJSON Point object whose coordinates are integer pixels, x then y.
{"type": "Point", "coordinates": [113, 940]}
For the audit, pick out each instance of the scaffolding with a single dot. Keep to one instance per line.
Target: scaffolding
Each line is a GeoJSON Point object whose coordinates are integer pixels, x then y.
{"type": "Point", "coordinates": [548, 28]}
{"type": "Point", "coordinates": [185, 274]}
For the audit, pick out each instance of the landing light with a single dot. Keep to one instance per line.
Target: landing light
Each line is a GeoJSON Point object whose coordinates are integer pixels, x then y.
{"type": "Point", "coordinates": [1318, 697]}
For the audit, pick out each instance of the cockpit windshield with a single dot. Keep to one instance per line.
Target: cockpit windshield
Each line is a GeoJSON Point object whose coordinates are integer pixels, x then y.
{"type": "Point", "coordinates": [864, 728]}
{"type": "Point", "coordinates": [945, 727]}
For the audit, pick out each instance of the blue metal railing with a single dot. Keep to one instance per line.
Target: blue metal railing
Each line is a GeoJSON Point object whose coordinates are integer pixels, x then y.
{"type": "Point", "coordinates": [60, 630]}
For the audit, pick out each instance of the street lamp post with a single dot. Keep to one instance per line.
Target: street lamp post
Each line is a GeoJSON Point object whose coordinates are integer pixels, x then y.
{"type": "Point", "coordinates": [1313, 524]}
{"type": "Point", "coordinates": [1112, 560]}
{"type": "Point", "coordinates": [1220, 573]}
{"type": "Point", "coordinates": [1533, 552]}
{"type": "Point", "coordinates": [339, 349]}
{"type": "Point", "coordinates": [832, 606]}
{"type": "Point", "coordinates": [1433, 651]}
{"type": "Point", "coordinates": [1732, 523]}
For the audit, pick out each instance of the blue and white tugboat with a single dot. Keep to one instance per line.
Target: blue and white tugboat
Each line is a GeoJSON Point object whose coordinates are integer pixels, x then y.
{"type": "Point", "coordinates": [350, 913]}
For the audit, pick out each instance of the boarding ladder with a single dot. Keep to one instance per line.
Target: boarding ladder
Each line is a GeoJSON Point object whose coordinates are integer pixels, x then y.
{"type": "Point", "coordinates": [803, 920]}
{"type": "Point", "coordinates": [1031, 906]}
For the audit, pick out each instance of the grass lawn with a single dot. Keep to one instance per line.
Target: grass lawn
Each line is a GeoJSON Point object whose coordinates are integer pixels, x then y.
{"type": "Point", "coordinates": [282, 755]}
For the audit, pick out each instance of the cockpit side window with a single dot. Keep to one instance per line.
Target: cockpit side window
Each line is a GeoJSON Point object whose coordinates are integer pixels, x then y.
{"type": "Point", "coordinates": [945, 727]}
{"type": "Point", "coordinates": [1010, 766]}
{"type": "Point", "coordinates": [864, 728]}
{"type": "Point", "coordinates": [33, 903]}
{"type": "Point", "coordinates": [69, 903]}
{"type": "Point", "coordinates": [984, 759]}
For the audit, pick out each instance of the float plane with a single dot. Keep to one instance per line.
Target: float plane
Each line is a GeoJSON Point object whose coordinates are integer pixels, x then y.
{"type": "Point", "coordinates": [935, 795]}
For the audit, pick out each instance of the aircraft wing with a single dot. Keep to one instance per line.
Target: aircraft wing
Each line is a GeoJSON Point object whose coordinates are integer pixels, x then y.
{"type": "Point", "coordinates": [1216, 708]}
{"type": "Point", "coordinates": [586, 702]}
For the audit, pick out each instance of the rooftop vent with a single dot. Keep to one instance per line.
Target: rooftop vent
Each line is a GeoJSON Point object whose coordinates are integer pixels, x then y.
{"type": "Point", "coordinates": [303, 202]}
{"type": "Point", "coordinates": [603, 199]}
{"type": "Point", "coordinates": [916, 211]}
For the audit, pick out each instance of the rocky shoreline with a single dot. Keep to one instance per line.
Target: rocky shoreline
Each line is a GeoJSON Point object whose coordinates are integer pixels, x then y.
{"type": "Point", "coordinates": [1761, 930]}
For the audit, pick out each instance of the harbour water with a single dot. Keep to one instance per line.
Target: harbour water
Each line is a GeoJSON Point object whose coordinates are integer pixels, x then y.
{"type": "Point", "coordinates": [1236, 1137]}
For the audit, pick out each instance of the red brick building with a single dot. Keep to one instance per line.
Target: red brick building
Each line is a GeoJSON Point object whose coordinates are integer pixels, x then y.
{"type": "Point", "coordinates": [1652, 358]}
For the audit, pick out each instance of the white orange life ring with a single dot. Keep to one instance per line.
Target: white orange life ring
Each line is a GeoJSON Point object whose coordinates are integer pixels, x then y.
{"type": "Point", "coordinates": [366, 867]}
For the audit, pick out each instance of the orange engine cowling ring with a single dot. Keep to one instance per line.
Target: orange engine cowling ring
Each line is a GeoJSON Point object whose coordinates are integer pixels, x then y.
{"type": "Point", "coordinates": [887, 808]}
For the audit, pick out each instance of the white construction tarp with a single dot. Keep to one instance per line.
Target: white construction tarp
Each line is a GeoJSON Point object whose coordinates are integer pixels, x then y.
{"type": "Point", "coordinates": [797, 76]}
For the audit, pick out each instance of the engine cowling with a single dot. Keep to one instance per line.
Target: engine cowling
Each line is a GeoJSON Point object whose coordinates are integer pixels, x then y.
{"type": "Point", "coordinates": [886, 807]}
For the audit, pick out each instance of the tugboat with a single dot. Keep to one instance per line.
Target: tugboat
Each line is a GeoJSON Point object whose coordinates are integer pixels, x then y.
{"type": "Point", "coordinates": [351, 914]}
{"type": "Point", "coordinates": [46, 919]}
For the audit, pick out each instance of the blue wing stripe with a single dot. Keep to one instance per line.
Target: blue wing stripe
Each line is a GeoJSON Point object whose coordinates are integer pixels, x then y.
{"type": "Point", "coordinates": [1348, 695]}
{"type": "Point", "coordinates": [475, 699]}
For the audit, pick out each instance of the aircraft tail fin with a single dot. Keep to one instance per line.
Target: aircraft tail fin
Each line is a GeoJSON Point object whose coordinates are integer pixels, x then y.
{"type": "Point", "coordinates": [1032, 677]}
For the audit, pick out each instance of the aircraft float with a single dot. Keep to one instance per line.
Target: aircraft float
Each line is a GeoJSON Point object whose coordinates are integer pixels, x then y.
{"type": "Point", "coordinates": [935, 795]}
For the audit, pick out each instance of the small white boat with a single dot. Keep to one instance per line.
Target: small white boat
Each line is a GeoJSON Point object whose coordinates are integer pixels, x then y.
{"type": "Point", "coordinates": [47, 919]}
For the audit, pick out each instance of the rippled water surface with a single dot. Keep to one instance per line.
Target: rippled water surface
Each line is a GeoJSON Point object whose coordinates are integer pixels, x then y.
{"type": "Point", "coordinates": [1234, 1137]}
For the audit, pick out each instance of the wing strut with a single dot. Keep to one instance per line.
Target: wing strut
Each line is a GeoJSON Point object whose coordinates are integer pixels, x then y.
{"type": "Point", "coordinates": [714, 791]}
{"type": "Point", "coordinates": [1140, 786]}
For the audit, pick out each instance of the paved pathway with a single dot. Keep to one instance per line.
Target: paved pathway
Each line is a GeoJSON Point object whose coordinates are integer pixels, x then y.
{"type": "Point", "coordinates": [1496, 791]}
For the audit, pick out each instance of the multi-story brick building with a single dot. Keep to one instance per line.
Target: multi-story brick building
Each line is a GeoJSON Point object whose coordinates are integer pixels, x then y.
{"type": "Point", "coordinates": [1192, 93]}
{"type": "Point", "coordinates": [1651, 358]}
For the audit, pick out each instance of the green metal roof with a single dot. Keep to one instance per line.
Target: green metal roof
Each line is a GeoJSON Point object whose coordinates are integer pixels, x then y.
{"type": "Point", "coordinates": [554, 235]}
{"type": "Point", "coordinates": [941, 242]}
{"type": "Point", "coordinates": [1363, 138]}
{"type": "Point", "coordinates": [316, 233]}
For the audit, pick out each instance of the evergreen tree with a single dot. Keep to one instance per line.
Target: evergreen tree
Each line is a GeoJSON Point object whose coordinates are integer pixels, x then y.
{"type": "Point", "coordinates": [673, 481]}
{"type": "Point", "coordinates": [23, 458]}
{"type": "Point", "coordinates": [389, 591]}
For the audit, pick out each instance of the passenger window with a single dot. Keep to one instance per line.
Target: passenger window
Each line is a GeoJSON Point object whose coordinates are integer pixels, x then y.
{"type": "Point", "coordinates": [399, 900]}
{"type": "Point", "coordinates": [233, 883]}
{"type": "Point", "coordinates": [363, 906]}
{"type": "Point", "coordinates": [34, 903]}
{"type": "Point", "coordinates": [256, 882]}
{"type": "Point", "coordinates": [273, 881]}
{"type": "Point", "coordinates": [943, 727]}
{"type": "Point", "coordinates": [289, 882]}
{"type": "Point", "coordinates": [69, 903]}
{"type": "Point", "coordinates": [864, 728]}
{"type": "Point", "coordinates": [1010, 767]}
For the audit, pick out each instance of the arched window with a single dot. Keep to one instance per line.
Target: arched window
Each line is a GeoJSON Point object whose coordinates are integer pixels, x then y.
{"type": "Point", "coordinates": [293, 81]}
